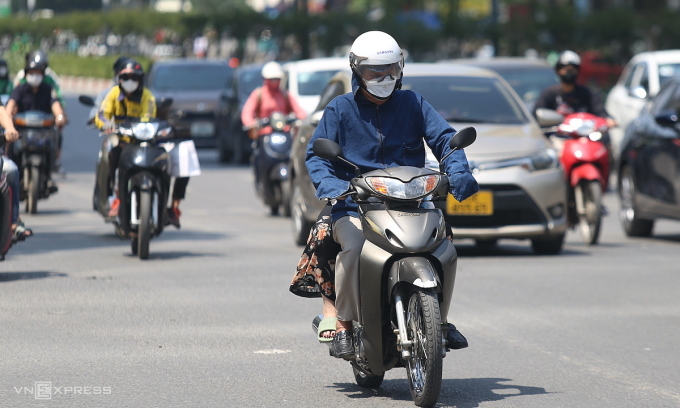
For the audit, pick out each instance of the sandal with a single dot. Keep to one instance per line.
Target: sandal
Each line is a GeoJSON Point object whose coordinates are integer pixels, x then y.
{"type": "Point", "coordinates": [21, 232]}
{"type": "Point", "coordinates": [326, 325]}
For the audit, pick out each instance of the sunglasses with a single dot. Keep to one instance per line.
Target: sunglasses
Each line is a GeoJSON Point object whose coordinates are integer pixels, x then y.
{"type": "Point", "coordinates": [126, 77]}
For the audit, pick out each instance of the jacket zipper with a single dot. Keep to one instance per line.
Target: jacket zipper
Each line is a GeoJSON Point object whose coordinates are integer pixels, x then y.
{"type": "Point", "coordinates": [382, 147]}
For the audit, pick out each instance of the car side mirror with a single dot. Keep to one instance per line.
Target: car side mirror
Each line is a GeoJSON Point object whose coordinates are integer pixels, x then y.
{"type": "Point", "coordinates": [86, 100]}
{"type": "Point", "coordinates": [667, 118]}
{"type": "Point", "coordinates": [316, 117]}
{"type": "Point", "coordinates": [165, 103]}
{"type": "Point", "coordinates": [638, 92]}
{"type": "Point", "coordinates": [327, 149]}
{"type": "Point", "coordinates": [548, 117]}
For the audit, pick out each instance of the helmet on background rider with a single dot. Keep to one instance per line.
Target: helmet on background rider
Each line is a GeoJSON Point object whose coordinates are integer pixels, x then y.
{"type": "Point", "coordinates": [37, 56]}
{"type": "Point", "coordinates": [4, 68]}
{"type": "Point", "coordinates": [378, 62]}
{"type": "Point", "coordinates": [272, 70]}
{"type": "Point", "coordinates": [131, 76]}
{"type": "Point", "coordinates": [568, 58]}
{"type": "Point", "coordinates": [34, 72]}
{"type": "Point", "coordinates": [118, 65]}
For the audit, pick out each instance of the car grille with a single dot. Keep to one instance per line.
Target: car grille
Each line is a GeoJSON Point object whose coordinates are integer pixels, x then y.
{"type": "Point", "coordinates": [512, 206]}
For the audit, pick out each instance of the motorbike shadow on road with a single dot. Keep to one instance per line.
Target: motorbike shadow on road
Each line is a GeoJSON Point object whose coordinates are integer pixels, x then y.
{"type": "Point", "coordinates": [470, 250]}
{"type": "Point", "coordinates": [18, 276]}
{"type": "Point", "coordinates": [458, 393]}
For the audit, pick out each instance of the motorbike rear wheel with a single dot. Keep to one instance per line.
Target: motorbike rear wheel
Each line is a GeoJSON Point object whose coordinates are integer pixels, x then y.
{"type": "Point", "coordinates": [367, 381]}
{"type": "Point", "coordinates": [423, 328]}
{"type": "Point", "coordinates": [32, 189]}
{"type": "Point", "coordinates": [588, 195]}
{"type": "Point", "coordinates": [144, 230]}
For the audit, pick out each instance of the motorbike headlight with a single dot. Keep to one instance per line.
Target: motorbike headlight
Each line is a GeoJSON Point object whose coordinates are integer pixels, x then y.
{"type": "Point", "coordinates": [418, 187]}
{"type": "Point", "coordinates": [278, 139]}
{"type": "Point", "coordinates": [545, 159]}
{"type": "Point", "coordinates": [145, 131]}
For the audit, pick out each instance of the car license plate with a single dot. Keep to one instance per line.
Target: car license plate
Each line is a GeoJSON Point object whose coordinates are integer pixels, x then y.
{"type": "Point", "coordinates": [202, 129]}
{"type": "Point", "coordinates": [479, 204]}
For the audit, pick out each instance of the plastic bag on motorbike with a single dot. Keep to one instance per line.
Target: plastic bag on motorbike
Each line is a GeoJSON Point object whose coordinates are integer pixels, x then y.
{"type": "Point", "coordinates": [183, 159]}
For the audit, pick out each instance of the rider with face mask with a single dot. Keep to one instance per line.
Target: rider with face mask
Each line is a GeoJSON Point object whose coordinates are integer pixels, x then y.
{"type": "Point", "coordinates": [130, 99]}
{"type": "Point", "coordinates": [569, 97]}
{"type": "Point", "coordinates": [377, 126]}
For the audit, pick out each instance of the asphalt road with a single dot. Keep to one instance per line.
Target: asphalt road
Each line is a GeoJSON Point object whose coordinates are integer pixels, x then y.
{"type": "Point", "coordinates": [208, 321]}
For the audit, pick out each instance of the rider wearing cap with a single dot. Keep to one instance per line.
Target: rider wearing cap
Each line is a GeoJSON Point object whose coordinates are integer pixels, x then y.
{"type": "Point", "coordinates": [377, 126]}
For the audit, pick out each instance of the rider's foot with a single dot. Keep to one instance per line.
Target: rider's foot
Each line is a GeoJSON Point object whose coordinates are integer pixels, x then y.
{"type": "Point", "coordinates": [115, 204]}
{"type": "Point", "coordinates": [21, 232]}
{"type": "Point", "coordinates": [454, 339]}
{"type": "Point", "coordinates": [343, 344]}
{"type": "Point", "coordinates": [173, 216]}
{"type": "Point", "coordinates": [52, 186]}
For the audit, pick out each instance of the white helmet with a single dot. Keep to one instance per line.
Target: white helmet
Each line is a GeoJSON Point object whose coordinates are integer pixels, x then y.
{"type": "Point", "coordinates": [272, 70]}
{"type": "Point", "coordinates": [374, 56]}
{"type": "Point", "coordinates": [568, 58]}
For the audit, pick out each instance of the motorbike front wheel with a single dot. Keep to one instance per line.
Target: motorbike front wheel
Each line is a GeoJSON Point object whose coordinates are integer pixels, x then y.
{"type": "Point", "coordinates": [588, 195]}
{"type": "Point", "coordinates": [32, 174]}
{"type": "Point", "coordinates": [144, 230]}
{"type": "Point", "coordinates": [423, 328]}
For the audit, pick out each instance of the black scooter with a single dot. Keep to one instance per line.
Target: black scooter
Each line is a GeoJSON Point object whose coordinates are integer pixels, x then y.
{"type": "Point", "coordinates": [143, 180]}
{"type": "Point", "coordinates": [270, 162]}
{"type": "Point", "coordinates": [35, 153]}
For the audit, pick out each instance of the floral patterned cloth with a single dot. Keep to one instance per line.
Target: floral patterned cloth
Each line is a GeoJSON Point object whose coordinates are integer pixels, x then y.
{"type": "Point", "coordinates": [315, 273]}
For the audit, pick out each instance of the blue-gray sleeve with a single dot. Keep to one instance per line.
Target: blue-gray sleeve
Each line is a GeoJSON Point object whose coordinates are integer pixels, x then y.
{"type": "Point", "coordinates": [437, 133]}
{"type": "Point", "coordinates": [322, 171]}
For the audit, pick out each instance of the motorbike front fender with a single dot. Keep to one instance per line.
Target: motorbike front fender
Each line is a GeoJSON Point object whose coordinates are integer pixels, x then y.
{"type": "Point", "coordinates": [416, 271]}
{"type": "Point", "coordinates": [585, 171]}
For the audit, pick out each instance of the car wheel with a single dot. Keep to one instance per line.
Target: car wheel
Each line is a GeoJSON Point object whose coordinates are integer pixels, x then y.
{"type": "Point", "coordinates": [548, 246]}
{"type": "Point", "coordinates": [632, 223]}
{"type": "Point", "coordinates": [300, 225]}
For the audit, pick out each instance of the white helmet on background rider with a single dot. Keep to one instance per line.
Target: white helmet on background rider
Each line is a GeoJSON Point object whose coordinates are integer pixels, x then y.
{"type": "Point", "coordinates": [272, 70]}
{"type": "Point", "coordinates": [377, 61]}
{"type": "Point", "coordinates": [568, 57]}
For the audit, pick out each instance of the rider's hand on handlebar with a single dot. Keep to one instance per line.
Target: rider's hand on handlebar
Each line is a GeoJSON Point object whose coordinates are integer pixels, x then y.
{"type": "Point", "coordinates": [109, 126]}
{"type": "Point", "coordinates": [611, 123]}
{"type": "Point", "coordinates": [11, 134]}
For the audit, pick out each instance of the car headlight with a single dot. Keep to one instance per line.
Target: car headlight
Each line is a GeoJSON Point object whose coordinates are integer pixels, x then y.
{"type": "Point", "coordinates": [418, 187]}
{"type": "Point", "coordinates": [543, 160]}
{"type": "Point", "coordinates": [145, 131]}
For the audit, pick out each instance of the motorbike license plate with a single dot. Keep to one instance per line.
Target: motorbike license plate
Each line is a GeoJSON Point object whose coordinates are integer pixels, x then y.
{"type": "Point", "coordinates": [202, 129]}
{"type": "Point", "coordinates": [479, 204]}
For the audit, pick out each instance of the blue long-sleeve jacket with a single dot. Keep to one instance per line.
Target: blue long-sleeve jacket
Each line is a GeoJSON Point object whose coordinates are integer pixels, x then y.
{"type": "Point", "coordinates": [382, 136]}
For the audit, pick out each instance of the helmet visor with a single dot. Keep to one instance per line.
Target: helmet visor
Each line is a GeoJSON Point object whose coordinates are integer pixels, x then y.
{"type": "Point", "coordinates": [380, 72]}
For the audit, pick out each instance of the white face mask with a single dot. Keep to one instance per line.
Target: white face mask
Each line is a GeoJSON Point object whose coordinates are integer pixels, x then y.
{"type": "Point", "coordinates": [3, 71]}
{"type": "Point", "coordinates": [34, 79]}
{"type": "Point", "coordinates": [381, 89]}
{"type": "Point", "coordinates": [130, 85]}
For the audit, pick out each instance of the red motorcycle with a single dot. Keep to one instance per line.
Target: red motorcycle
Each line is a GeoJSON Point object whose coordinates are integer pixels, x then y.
{"type": "Point", "coordinates": [585, 158]}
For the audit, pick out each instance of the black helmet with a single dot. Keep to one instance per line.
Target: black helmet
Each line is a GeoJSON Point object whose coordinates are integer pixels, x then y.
{"type": "Point", "coordinates": [131, 66]}
{"type": "Point", "coordinates": [120, 63]}
{"type": "Point", "coordinates": [37, 56]}
{"type": "Point", "coordinates": [42, 66]}
{"type": "Point", "coordinates": [568, 58]}
{"type": "Point", "coordinates": [3, 63]}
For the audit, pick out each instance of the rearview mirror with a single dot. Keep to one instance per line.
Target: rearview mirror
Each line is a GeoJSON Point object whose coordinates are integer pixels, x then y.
{"type": "Point", "coordinates": [667, 118]}
{"type": "Point", "coordinates": [327, 149]}
{"type": "Point", "coordinates": [463, 138]}
{"type": "Point", "coordinates": [86, 100]}
{"type": "Point", "coordinates": [316, 117]}
{"type": "Point", "coordinates": [548, 117]}
{"type": "Point", "coordinates": [165, 103]}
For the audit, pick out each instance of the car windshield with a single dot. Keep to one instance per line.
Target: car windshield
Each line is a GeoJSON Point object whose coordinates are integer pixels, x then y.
{"type": "Point", "coordinates": [248, 80]}
{"type": "Point", "coordinates": [528, 82]}
{"type": "Point", "coordinates": [312, 83]}
{"type": "Point", "coordinates": [668, 71]}
{"type": "Point", "coordinates": [194, 77]}
{"type": "Point", "coordinates": [468, 99]}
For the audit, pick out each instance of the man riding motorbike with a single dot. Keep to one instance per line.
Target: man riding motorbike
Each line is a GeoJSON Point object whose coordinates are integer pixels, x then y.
{"type": "Point", "coordinates": [130, 99]}
{"type": "Point", "coordinates": [377, 126]}
{"type": "Point", "coordinates": [568, 97]}
{"type": "Point", "coordinates": [36, 94]}
{"type": "Point", "coordinates": [11, 171]}
{"type": "Point", "coordinates": [267, 99]}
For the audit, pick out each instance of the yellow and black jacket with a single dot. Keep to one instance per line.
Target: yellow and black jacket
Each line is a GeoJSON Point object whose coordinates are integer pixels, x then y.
{"type": "Point", "coordinates": [116, 105]}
